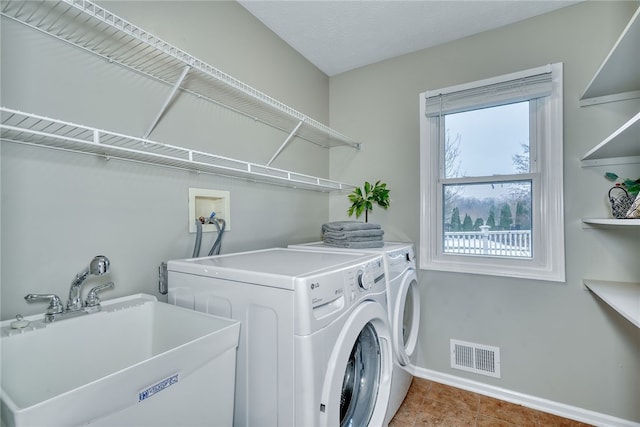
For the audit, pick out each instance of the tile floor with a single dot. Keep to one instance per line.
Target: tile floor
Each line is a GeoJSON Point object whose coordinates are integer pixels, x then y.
{"type": "Point", "coordinates": [433, 404]}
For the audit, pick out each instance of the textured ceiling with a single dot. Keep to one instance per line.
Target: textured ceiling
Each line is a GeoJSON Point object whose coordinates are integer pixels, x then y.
{"type": "Point", "coordinates": [337, 36]}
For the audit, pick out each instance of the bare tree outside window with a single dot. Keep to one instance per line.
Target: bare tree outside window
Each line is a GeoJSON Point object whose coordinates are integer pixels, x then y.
{"type": "Point", "coordinates": [451, 169]}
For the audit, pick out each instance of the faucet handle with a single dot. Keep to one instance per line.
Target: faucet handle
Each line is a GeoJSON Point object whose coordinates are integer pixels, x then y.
{"type": "Point", "coordinates": [55, 305]}
{"type": "Point", "coordinates": [92, 297]}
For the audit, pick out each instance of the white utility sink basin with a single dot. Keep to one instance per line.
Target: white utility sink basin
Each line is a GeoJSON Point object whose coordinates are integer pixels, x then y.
{"type": "Point", "coordinates": [136, 362]}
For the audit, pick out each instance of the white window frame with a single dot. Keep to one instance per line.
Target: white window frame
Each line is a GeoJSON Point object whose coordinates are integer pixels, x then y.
{"type": "Point", "coordinates": [546, 147]}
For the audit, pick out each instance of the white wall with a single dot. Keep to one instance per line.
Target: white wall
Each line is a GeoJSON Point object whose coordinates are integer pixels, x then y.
{"type": "Point", "coordinates": [60, 209]}
{"type": "Point", "coordinates": [557, 341]}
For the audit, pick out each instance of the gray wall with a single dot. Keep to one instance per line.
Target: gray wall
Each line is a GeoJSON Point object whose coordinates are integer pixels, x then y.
{"type": "Point", "coordinates": [557, 341]}
{"type": "Point", "coordinates": [60, 209]}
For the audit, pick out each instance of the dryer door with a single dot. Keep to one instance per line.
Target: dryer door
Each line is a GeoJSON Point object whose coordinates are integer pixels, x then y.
{"type": "Point", "coordinates": [356, 388]}
{"type": "Point", "coordinates": [406, 317]}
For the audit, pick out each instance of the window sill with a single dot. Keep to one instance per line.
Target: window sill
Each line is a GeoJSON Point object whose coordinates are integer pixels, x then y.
{"type": "Point", "coordinates": [521, 269]}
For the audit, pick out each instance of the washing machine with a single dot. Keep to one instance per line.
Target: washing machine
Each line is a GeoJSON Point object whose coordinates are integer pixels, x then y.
{"type": "Point", "coordinates": [315, 343]}
{"type": "Point", "coordinates": [403, 297]}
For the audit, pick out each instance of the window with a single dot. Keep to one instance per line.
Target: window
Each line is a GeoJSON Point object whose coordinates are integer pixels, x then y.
{"type": "Point", "coordinates": [491, 176]}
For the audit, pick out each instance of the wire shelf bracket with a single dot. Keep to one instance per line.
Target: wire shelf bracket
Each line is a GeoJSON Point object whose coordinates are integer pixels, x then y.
{"type": "Point", "coordinates": [31, 129]}
{"type": "Point", "coordinates": [284, 144]}
{"type": "Point", "coordinates": [176, 86]}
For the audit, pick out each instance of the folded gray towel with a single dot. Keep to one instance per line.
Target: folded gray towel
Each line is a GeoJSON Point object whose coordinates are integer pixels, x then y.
{"type": "Point", "coordinates": [353, 239]}
{"type": "Point", "coordinates": [349, 226]}
{"type": "Point", "coordinates": [356, 245]}
{"type": "Point", "coordinates": [374, 232]}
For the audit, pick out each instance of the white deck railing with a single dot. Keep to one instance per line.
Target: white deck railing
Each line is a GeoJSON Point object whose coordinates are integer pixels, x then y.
{"type": "Point", "coordinates": [510, 243]}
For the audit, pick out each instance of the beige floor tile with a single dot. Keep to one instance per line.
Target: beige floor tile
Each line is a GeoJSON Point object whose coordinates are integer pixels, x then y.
{"type": "Point", "coordinates": [396, 422]}
{"type": "Point", "coordinates": [485, 421]}
{"type": "Point", "coordinates": [455, 397]}
{"type": "Point", "coordinates": [439, 414]}
{"type": "Point", "coordinates": [414, 400]}
{"type": "Point", "coordinates": [432, 413]}
{"type": "Point", "coordinates": [406, 415]}
{"type": "Point", "coordinates": [545, 420]}
{"type": "Point", "coordinates": [515, 414]}
{"type": "Point", "coordinates": [420, 385]}
{"type": "Point", "coordinates": [430, 404]}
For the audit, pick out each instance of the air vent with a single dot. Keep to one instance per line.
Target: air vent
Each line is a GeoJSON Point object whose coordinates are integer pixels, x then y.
{"type": "Point", "coordinates": [476, 358]}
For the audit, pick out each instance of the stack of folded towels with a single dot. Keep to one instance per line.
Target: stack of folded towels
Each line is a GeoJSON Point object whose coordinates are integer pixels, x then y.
{"type": "Point", "coordinates": [352, 234]}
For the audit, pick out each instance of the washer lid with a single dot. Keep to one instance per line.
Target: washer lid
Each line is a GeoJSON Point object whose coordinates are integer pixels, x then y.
{"type": "Point", "coordinates": [276, 267]}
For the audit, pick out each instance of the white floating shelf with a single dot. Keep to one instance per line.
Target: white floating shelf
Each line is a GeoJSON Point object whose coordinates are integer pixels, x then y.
{"type": "Point", "coordinates": [623, 297]}
{"type": "Point", "coordinates": [618, 77]}
{"type": "Point", "coordinates": [612, 222]}
{"type": "Point", "coordinates": [31, 129]}
{"type": "Point", "coordinates": [94, 29]}
{"type": "Point", "coordinates": [622, 146]}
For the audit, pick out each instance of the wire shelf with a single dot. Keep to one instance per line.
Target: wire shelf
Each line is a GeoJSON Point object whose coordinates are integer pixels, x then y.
{"type": "Point", "coordinates": [94, 29]}
{"type": "Point", "coordinates": [30, 129]}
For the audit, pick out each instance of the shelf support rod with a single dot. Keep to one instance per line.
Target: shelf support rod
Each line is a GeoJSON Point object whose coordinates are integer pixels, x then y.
{"type": "Point", "coordinates": [284, 144]}
{"type": "Point", "coordinates": [176, 86]}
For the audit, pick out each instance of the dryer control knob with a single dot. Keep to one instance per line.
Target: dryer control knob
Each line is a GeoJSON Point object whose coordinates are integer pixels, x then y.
{"type": "Point", "coordinates": [364, 281]}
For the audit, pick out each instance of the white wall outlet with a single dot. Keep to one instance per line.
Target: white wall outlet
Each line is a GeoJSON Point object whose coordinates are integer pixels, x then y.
{"type": "Point", "coordinates": [203, 201]}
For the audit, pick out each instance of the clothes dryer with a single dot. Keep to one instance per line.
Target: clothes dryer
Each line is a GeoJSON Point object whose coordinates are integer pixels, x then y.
{"type": "Point", "coordinates": [315, 343]}
{"type": "Point", "coordinates": [403, 306]}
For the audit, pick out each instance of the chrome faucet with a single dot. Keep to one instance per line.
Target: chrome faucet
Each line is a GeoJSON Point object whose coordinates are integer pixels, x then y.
{"type": "Point", "coordinates": [98, 266]}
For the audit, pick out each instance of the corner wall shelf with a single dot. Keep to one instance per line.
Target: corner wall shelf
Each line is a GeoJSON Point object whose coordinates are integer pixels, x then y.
{"type": "Point", "coordinates": [30, 129]}
{"type": "Point", "coordinates": [622, 146]}
{"type": "Point", "coordinates": [618, 78]}
{"type": "Point", "coordinates": [94, 29]}
{"type": "Point", "coordinates": [623, 297]}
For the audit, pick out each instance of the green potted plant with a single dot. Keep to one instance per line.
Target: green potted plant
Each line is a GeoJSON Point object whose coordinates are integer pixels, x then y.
{"type": "Point", "coordinates": [632, 187]}
{"type": "Point", "coordinates": [362, 199]}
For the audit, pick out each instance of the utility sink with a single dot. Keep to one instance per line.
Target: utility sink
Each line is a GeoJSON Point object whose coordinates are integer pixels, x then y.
{"type": "Point", "coordinates": [136, 362]}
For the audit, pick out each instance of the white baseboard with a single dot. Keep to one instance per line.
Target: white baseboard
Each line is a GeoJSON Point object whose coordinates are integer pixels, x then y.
{"type": "Point", "coordinates": [544, 405]}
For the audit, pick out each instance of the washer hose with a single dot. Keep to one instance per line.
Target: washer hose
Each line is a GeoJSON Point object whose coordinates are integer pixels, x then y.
{"type": "Point", "coordinates": [196, 247]}
{"type": "Point", "coordinates": [217, 245]}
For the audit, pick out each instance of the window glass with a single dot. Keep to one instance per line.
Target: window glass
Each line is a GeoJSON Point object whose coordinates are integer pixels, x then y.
{"type": "Point", "coordinates": [488, 141]}
{"type": "Point", "coordinates": [489, 219]}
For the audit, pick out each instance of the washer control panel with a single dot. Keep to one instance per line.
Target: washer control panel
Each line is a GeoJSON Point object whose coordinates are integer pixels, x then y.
{"type": "Point", "coordinates": [328, 294]}
{"type": "Point", "coordinates": [369, 278]}
{"type": "Point", "coordinates": [352, 281]}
